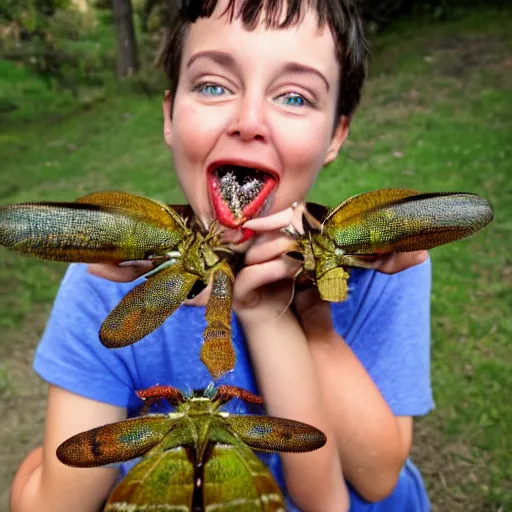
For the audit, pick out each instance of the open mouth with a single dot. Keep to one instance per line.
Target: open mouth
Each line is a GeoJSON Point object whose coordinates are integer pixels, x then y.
{"type": "Point", "coordinates": [238, 193]}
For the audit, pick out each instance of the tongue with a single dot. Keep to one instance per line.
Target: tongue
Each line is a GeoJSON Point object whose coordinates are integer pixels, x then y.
{"type": "Point", "coordinates": [238, 193]}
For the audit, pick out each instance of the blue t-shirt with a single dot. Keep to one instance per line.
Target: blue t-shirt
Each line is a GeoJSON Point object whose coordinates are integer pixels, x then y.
{"type": "Point", "coordinates": [385, 321]}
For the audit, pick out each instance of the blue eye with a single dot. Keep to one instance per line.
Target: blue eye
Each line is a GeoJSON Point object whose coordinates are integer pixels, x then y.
{"type": "Point", "coordinates": [293, 99]}
{"type": "Point", "coordinates": [211, 90]}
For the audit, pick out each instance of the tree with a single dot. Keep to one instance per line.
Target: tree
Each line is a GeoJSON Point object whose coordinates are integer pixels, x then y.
{"type": "Point", "coordinates": [127, 63]}
{"type": "Point", "coordinates": [161, 12]}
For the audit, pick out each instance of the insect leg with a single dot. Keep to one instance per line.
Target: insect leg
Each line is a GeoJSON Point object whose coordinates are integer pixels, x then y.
{"type": "Point", "coordinates": [217, 351]}
{"type": "Point", "coordinates": [156, 393]}
{"type": "Point", "coordinates": [226, 393]}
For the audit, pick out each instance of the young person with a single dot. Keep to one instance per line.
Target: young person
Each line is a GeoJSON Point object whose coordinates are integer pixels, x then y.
{"type": "Point", "coordinates": [270, 86]}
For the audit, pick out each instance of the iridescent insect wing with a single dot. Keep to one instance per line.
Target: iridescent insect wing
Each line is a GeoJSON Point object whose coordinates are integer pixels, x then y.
{"type": "Point", "coordinates": [235, 479]}
{"type": "Point", "coordinates": [121, 441]}
{"type": "Point", "coordinates": [349, 210]}
{"type": "Point", "coordinates": [152, 211]}
{"type": "Point", "coordinates": [90, 232]}
{"type": "Point", "coordinates": [147, 306]}
{"type": "Point", "coordinates": [347, 224]}
{"type": "Point", "coordinates": [382, 221]}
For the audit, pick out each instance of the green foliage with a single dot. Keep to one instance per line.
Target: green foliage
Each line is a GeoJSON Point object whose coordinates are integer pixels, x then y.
{"type": "Point", "coordinates": [378, 13]}
{"type": "Point", "coordinates": [102, 4]}
{"type": "Point", "coordinates": [156, 14]}
{"type": "Point", "coordinates": [30, 15]}
{"type": "Point", "coordinates": [55, 41]}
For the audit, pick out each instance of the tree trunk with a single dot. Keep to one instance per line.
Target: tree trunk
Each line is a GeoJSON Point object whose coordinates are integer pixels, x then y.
{"type": "Point", "coordinates": [127, 62]}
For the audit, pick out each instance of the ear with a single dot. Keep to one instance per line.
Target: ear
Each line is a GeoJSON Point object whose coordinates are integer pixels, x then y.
{"type": "Point", "coordinates": [167, 108]}
{"type": "Point", "coordinates": [338, 138]}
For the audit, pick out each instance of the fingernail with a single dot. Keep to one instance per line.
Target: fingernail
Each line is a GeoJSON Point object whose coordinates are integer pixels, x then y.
{"type": "Point", "coordinates": [248, 224]}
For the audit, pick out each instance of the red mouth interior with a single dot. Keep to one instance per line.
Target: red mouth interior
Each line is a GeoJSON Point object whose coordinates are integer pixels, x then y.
{"type": "Point", "coordinates": [238, 193]}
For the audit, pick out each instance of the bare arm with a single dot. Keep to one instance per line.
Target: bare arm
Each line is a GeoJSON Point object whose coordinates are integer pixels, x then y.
{"type": "Point", "coordinates": [373, 443]}
{"type": "Point", "coordinates": [289, 385]}
{"type": "Point", "coordinates": [43, 483]}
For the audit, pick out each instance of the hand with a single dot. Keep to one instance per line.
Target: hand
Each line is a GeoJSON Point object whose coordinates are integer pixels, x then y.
{"type": "Point", "coordinates": [394, 262]}
{"type": "Point", "coordinates": [123, 273]}
{"type": "Point", "coordinates": [390, 263]}
{"type": "Point", "coordinates": [129, 271]}
{"type": "Point", "coordinates": [264, 287]}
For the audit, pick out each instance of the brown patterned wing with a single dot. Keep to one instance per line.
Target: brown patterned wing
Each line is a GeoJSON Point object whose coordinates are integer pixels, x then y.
{"type": "Point", "coordinates": [117, 442]}
{"type": "Point", "coordinates": [147, 306]}
{"type": "Point", "coordinates": [270, 434]}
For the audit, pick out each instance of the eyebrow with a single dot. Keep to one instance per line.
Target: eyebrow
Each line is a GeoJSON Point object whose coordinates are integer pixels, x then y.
{"type": "Point", "coordinates": [295, 67]}
{"type": "Point", "coordinates": [226, 60]}
{"type": "Point", "coordinates": [222, 58]}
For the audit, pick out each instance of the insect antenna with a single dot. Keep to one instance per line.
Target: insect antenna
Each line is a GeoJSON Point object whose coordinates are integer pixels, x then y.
{"type": "Point", "coordinates": [292, 295]}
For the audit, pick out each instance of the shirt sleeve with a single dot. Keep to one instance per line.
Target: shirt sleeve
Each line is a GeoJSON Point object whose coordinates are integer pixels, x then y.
{"type": "Point", "coordinates": [70, 354]}
{"type": "Point", "coordinates": [390, 334]}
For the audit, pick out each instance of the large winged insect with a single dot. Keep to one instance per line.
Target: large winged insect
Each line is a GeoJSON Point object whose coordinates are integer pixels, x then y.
{"type": "Point", "coordinates": [363, 227]}
{"type": "Point", "coordinates": [197, 458]}
{"type": "Point", "coordinates": [116, 226]}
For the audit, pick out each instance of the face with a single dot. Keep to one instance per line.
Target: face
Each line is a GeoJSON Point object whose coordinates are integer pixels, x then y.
{"type": "Point", "coordinates": [253, 116]}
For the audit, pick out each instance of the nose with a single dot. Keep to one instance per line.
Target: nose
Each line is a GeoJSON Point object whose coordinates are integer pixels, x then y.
{"type": "Point", "coordinates": [249, 121]}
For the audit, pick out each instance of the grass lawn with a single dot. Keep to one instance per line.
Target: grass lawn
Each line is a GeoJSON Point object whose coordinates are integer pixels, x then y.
{"type": "Point", "coordinates": [437, 115]}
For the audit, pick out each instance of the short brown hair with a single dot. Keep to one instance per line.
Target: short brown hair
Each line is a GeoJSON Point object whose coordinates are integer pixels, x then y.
{"type": "Point", "coordinates": [341, 16]}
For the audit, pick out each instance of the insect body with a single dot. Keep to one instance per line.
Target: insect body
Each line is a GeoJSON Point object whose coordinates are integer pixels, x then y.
{"type": "Point", "coordinates": [197, 458]}
{"type": "Point", "coordinates": [110, 227]}
{"type": "Point", "coordinates": [379, 222]}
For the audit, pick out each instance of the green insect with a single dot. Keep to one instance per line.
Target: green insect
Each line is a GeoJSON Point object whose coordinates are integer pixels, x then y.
{"type": "Point", "coordinates": [197, 458]}
{"type": "Point", "coordinates": [368, 225]}
{"type": "Point", "coordinates": [112, 227]}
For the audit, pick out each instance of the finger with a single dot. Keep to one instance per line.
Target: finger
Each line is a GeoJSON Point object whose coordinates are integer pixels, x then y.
{"type": "Point", "coordinates": [290, 217]}
{"type": "Point", "coordinates": [268, 247]}
{"type": "Point", "coordinates": [271, 222]}
{"type": "Point", "coordinates": [255, 276]}
{"type": "Point", "coordinates": [118, 274]}
{"type": "Point", "coordinates": [398, 261]}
